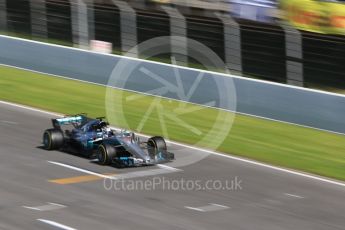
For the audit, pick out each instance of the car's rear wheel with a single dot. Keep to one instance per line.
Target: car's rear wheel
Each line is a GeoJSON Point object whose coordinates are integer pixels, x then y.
{"type": "Point", "coordinates": [156, 145]}
{"type": "Point", "coordinates": [106, 153]}
{"type": "Point", "coordinates": [53, 139]}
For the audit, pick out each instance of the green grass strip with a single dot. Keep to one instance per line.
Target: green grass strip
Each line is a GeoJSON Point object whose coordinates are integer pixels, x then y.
{"type": "Point", "coordinates": [267, 141]}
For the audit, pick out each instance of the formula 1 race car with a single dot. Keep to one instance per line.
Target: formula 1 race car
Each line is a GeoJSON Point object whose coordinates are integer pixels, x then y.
{"type": "Point", "coordinates": [94, 138]}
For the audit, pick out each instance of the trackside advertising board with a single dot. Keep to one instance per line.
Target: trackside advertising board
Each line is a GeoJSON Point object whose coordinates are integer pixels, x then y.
{"type": "Point", "coordinates": [327, 17]}
{"type": "Point", "coordinates": [255, 10]}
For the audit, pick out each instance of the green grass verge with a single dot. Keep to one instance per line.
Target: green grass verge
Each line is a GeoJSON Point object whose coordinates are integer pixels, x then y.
{"type": "Point", "coordinates": [275, 143]}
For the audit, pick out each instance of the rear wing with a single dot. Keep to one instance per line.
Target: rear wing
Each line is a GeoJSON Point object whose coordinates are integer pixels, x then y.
{"type": "Point", "coordinates": [75, 120]}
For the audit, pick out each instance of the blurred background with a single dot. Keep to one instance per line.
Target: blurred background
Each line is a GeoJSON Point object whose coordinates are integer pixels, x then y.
{"type": "Point", "coordinates": [297, 42]}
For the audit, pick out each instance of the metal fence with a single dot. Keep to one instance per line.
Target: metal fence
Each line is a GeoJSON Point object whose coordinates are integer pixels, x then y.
{"type": "Point", "coordinates": [274, 52]}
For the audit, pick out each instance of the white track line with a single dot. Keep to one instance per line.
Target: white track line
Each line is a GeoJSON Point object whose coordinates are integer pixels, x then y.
{"type": "Point", "coordinates": [61, 205]}
{"type": "Point", "coordinates": [211, 207]}
{"type": "Point", "coordinates": [293, 195]}
{"type": "Point", "coordinates": [48, 207]}
{"type": "Point", "coordinates": [55, 224]}
{"type": "Point", "coordinates": [32, 208]}
{"type": "Point", "coordinates": [9, 122]}
{"type": "Point", "coordinates": [309, 176]}
{"type": "Point", "coordinates": [29, 108]}
{"type": "Point", "coordinates": [81, 170]}
{"type": "Point", "coordinates": [136, 174]}
{"type": "Point", "coordinates": [196, 209]}
{"type": "Point", "coordinates": [168, 167]}
{"type": "Point", "coordinates": [219, 205]}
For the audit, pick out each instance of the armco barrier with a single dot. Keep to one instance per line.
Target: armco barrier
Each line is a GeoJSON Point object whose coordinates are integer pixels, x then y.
{"type": "Point", "coordinates": [269, 100]}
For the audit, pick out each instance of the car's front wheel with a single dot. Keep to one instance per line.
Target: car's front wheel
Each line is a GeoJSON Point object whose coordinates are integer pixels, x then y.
{"type": "Point", "coordinates": [105, 154]}
{"type": "Point", "coordinates": [156, 145]}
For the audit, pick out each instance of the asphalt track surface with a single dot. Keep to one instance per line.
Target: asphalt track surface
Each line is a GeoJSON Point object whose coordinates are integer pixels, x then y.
{"type": "Point", "coordinates": [268, 199]}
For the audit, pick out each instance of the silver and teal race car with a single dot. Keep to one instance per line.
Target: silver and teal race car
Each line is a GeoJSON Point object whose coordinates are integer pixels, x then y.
{"type": "Point", "coordinates": [94, 138]}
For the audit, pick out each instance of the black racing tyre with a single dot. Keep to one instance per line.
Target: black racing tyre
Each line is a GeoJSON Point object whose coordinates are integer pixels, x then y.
{"type": "Point", "coordinates": [105, 154]}
{"type": "Point", "coordinates": [155, 145]}
{"type": "Point", "coordinates": [53, 139]}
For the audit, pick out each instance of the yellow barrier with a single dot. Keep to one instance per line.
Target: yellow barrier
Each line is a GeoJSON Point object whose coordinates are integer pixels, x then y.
{"type": "Point", "coordinates": [315, 15]}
